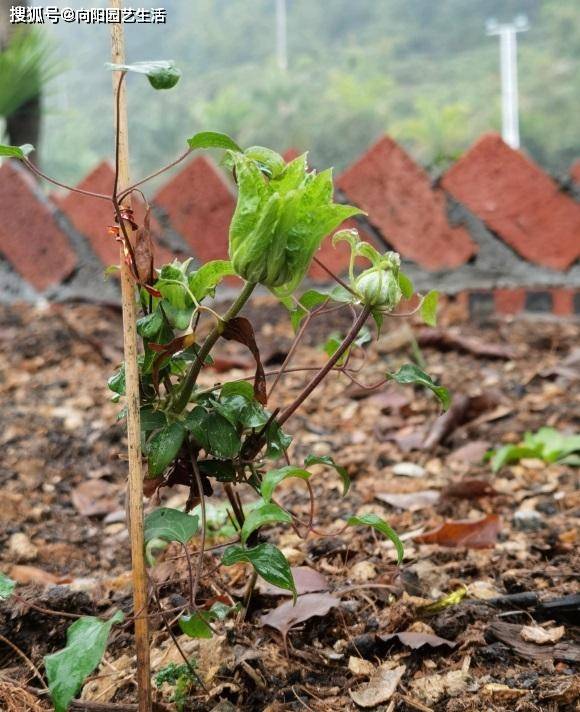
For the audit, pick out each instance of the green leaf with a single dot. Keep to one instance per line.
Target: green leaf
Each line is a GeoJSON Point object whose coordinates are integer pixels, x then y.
{"type": "Point", "coordinates": [411, 374]}
{"type": "Point", "coordinates": [162, 74]}
{"type": "Point", "coordinates": [238, 388]}
{"type": "Point", "coordinates": [7, 585]}
{"type": "Point", "coordinates": [277, 441]}
{"type": "Point", "coordinates": [327, 460]}
{"type": "Point", "coordinates": [116, 382]}
{"type": "Point", "coordinates": [272, 479]}
{"type": "Point", "coordinates": [267, 560]}
{"type": "Point", "coordinates": [265, 513]}
{"type": "Point", "coordinates": [66, 670]}
{"type": "Point", "coordinates": [213, 139]}
{"type": "Point", "coordinates": [16, 151]}
{"type": "Point", "coordinates": [149, 326]}
{"type": "Point", "coordinates": [429, 308]}
{"type": "Point", "coordinates": [308, 301]}
{"type": "Point", "coordinates": [163, 447]}
{"type": "Point", "coordinates": [152, 419]}
{"type": "Point", "coordinates": [374, 521]}
{"type": "Point", "coordinates": [512, 453]}
{"type": "Point", "coordinates": [405, 285]}
{"type": "Point", "coordinates": [197, 625]}
{"type": "Point", "coordinates": [178, 318]}
{"type": "Point", "coordinates": [216, 435]}
{"type": "Point", "coordinates": [268, 161]}
{"type": "Point", "coordinates": [170, 525]}
{"type": "Point", "coordinates": [203, 281]}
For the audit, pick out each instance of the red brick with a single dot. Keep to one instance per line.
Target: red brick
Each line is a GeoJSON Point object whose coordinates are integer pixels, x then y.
{"type": "Point", "coordinates": [92, 216]}
{"type": "Point", "coordinates": [509, 301]}
{"type": "Point", "coordinates": [200, 205]}
{"type": "Point", "coordinates": [563, 301]}
{"type": "Point", "coordinates": [518, 201]}
{"type": "Point", "coordinates": [30, 237]}
{"type": "Point", "coordinates": [412, 217]}
{"type": "Point", "coordinates": [575, 171]}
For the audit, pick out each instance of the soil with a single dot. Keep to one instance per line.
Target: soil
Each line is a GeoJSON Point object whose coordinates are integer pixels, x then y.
{"type": "Point", "coordinates": [64, 539]}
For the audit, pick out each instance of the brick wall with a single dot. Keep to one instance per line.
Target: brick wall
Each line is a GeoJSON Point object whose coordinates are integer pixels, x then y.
{"type": "Point", "coordinates": [495, 232]}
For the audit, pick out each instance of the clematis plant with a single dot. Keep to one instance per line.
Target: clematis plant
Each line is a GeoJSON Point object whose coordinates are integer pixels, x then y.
{"type": "Point", "coordinates": [219, 439]}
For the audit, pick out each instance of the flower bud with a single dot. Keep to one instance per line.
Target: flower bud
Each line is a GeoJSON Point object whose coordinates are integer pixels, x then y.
{"type": "Point", "coordinates": [378, 287]}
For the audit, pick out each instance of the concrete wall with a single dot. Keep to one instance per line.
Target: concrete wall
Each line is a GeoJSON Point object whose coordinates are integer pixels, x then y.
{"type": "Point", "coordinates": [495, 232]}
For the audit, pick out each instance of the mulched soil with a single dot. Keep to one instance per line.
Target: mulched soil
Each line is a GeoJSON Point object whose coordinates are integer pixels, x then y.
{"type": "Point", "coordinates": [64, 539]}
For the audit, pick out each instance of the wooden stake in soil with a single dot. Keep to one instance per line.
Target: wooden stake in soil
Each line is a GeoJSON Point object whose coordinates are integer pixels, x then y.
{"type": "Point", "coordinates": [134, 503]}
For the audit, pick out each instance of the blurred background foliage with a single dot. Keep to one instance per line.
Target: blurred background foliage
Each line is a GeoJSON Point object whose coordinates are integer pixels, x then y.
{"type": "Point", "coordinates": [423, 71]}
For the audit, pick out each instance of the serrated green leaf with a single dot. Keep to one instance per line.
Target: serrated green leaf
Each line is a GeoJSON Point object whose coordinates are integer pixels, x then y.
{"type": "Point", "coordinates": [7, 585]}
{"type": "Point", "coordinates": [429, 308]}
{"type": "Point", "coordinates": [267, 560]}
{"type": "Point", "coordinates": [162, 74]}
{"type": "Point", "coordinates": [16, 151]}
{"type": "Point", "coordinates": [149, 325]}
{"type": "Point", "coordinates": [409, 374]}
{"type": "Point", "coordinates": [374, 521]}
{"type": "Point", "coordinates": [203, 281]}
{"type": "Point", "coordinates": [163, 447]}
{"type": "Point", "coordinates": [170, 525]}
{"type": "Point", "coordinates": [213, 139]}
{"type": "Point", "coordinates": [265, 513]}
{"type": "Point", "coordinates": [405, 285]}
{"type": "Point", "coordinates": [272, 479]}
{"type": "Point", "coordinates": [328, 460]}
{"type": "Point", "coordinates": [67, 669]}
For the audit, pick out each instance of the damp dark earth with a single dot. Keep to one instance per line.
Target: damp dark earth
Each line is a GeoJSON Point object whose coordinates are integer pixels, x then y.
{"type": "Point", "coordinates": [483, 612]}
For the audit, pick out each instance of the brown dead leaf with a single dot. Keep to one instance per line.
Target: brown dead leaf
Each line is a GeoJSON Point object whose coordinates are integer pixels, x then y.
{"type": "Point", "coordinates": [307, 580]}
{"type": "Point", "coordinates": [95, 498]}
{"type": "Point", "coordinates": [541, 636]}
{"type": "Point", "coordinates": [469, 488]}
{"type": "Point", "coordinates": [450, 340]}
{"type": "Point", "coordinates": [432, 688]}
{"type": "Point", "coordinates": [411, 501]}
{"type": "Point", "coordinates": [380, 688]}
{"type": "Point", "coordinates": [478, 534]}
{"type": "Point", "coordinates": [417, 640]}
{"type": "Point", "coordinates": [287, 615]}
{"type": "Point", "coordinates": [470, 453]}
{"type": "Point", "coordinates": [32, 574]}
{"type": "Point", "coordinates": [241, 330]}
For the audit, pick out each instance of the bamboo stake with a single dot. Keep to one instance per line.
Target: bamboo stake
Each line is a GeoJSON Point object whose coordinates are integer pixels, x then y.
{"type": "Point", "coordinates": [134, 504]}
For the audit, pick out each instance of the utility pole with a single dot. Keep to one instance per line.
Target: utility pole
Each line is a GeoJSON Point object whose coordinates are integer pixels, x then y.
{"type": "Point", "coordinates": [509, 75]}
{"type": "Point", "coordinates": [281, 35]}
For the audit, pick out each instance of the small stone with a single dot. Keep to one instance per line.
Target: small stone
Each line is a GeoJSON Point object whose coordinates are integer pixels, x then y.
{"type": "Point", "coordinates": [21, 548]}
{"type": "Point", "coordinates": [408, 469]}
{"type": "Point", "coordinates": [528, 520]}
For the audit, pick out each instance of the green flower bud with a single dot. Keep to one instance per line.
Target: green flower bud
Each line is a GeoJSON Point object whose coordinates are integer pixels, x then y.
{"type": "Point", "coordinates": [280, 220]}
{"type": "Point", "coordinates": [378, 287]}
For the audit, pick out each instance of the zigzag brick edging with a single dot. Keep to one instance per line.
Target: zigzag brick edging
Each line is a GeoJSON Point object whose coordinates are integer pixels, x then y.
{"type": "Point", "coordinates": [31, 239]}
{"type": "Point", "coordinates": [91, 217]}
{"type": "Point", "coordinates": [401, 203]}
{"type": "Point", "coordinates": [518, 201]}
{"type": "Point", "coordinates": [496, 232]}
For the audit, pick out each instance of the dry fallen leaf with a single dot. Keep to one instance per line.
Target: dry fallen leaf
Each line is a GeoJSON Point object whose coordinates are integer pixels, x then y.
{"type": "Point", "coordinates": [478, 534]}
{"type": "Point", "coordinates": [432, 688]}
{"type": "Point", "coordinates": [287, 615]}
{"type": "Point", "coordinates": [411, 501]}
{"type": "Point", "coordinates": [93, 498]}
{"type": "Point", "coordinates": [470, 453]}
{"type": "Point", "coordinates": [360, 666]}
{"type": "Point", "coordinates": [502, 693]}
{"type": "Point", "coordinates": [469, 488]}
{"type": "Point", "coordinates": [32, 574]}
{"type": "Point", "coordinates": [380, 688]}
{"type": "Point", "coordinates": [307, 580]}
{"type": "Point", "coordinates": [541, 636]}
